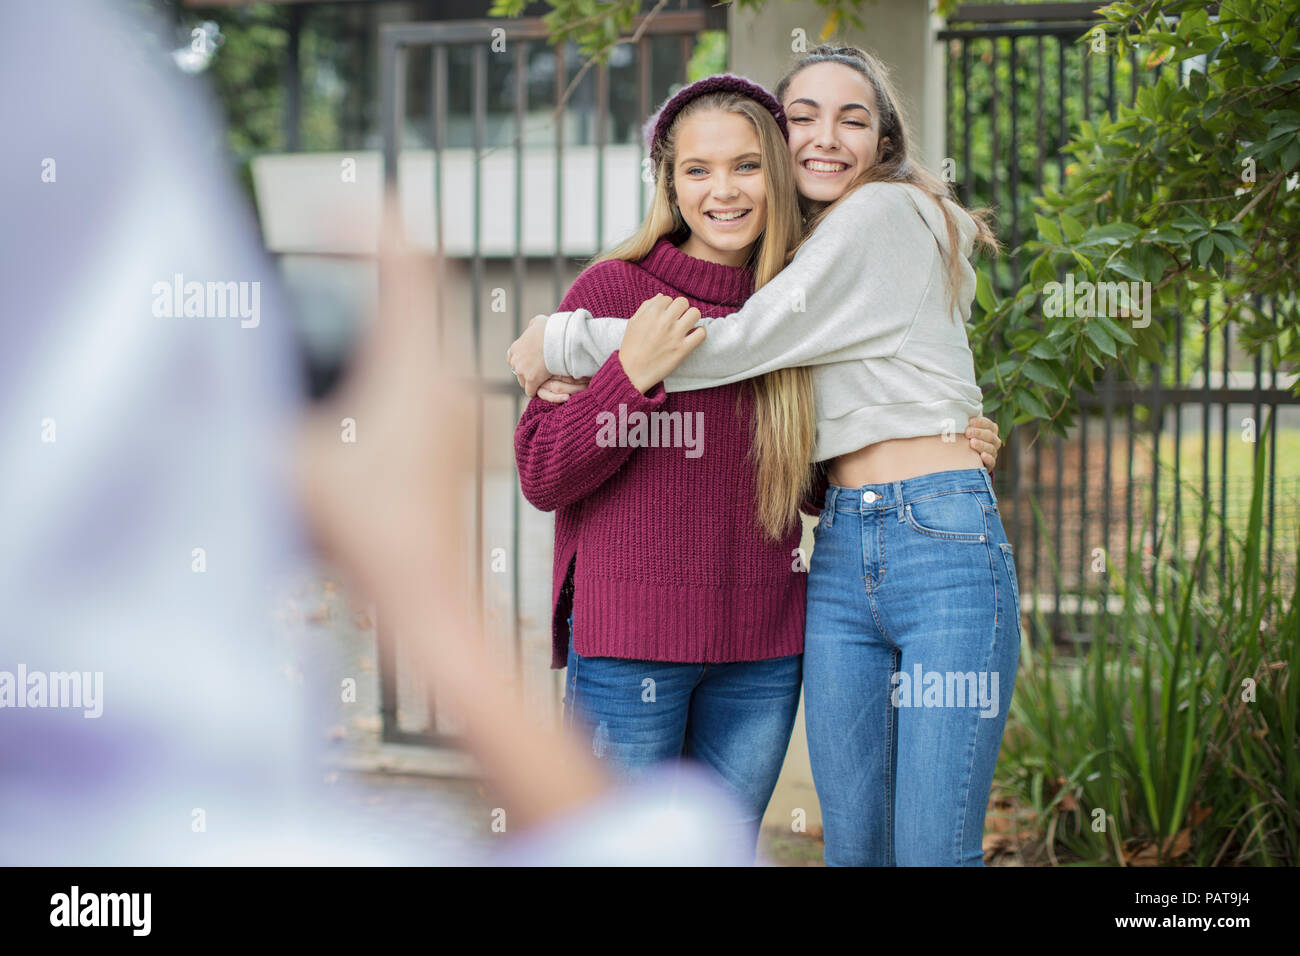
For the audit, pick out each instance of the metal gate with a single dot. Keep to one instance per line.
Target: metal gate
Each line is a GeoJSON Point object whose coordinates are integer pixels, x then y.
{"type": "Point", "coordinates": [468, 62]}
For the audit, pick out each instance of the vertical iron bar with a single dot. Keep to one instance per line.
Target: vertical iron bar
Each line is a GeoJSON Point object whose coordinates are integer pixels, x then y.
{"type": "Point", "coordinates": [1272, 453]}
{"type": "Point", "coordinates": [437, 135]}
{"type": "Point", "coordinates": [1157, 420]}
{"type": "Point", "coordinates": [1085, 66]}
{"type": "Point", "coordinates": [1015, 446]}
{"type": "Point", "coordinates": [393, 96]}
{"type": "Point", "coordinates": [1258, 408]}
{"type": "Point", "coordinates": [643, 113]}
{"type": "Point", "coordinates": [1040, 120]}
{"type": "Point", "coordinates": [1205, 425]}
{"type": "Point", "coordinates": [292, 80]}
{"type": "Point", "coordinates": [602, 121]}
{"type": "Point", "coordinates": [557, 263]}
{"type": "Point", "coordinates": [968, 176]}
{"type": "Point", "coordinates": [995, 154]}
{"type": "Point", "coordinates": [1036, 587]}
{"type": "Point", "coordinates": [1110, 83]}
{"type": "Point", "coordinates": [1157, 425]}
{"type": "Point", "coordinates": [1108, 485]}
{"type": "Point", "coordinates": [1178, 435]}
{"type": "Point", "coordinates": [1130, 424]}
{"type": "Point", "coordinates": [521, 112]}
{"type": "Point", "coordinates": [1084, 525]}
{"type": "Point", "coordinates": [1223, 451]}
{"type": "Point", "coordinates": [438, 105]}
{"type": "Point", "coordinates": [392, 87]}
{"type": "Point", "coordinates": [476, 283]}
{"type": "Point", "coordinates": [1133, 76]}
{"type": "Point", "coordinates": [948, 68]}
{"type": "Point", "coordinates": [561, 80]}
{"type": "Point", "coordinates": [1014, 184]}
{"type": "Point", "coordinates": [1060, 109]}
{"type": "Point", "coordinates": [1056, 539]}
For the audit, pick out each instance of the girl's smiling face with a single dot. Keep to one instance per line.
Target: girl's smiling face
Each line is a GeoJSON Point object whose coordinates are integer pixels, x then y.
{"type": "Point", "coordinates": [720, 187]}
{"type": "Point", "coordinates": [834, 128]}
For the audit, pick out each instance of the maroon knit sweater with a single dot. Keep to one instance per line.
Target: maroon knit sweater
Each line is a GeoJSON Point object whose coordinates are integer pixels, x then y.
{"type": "Point", "coordinates": [659, 554]}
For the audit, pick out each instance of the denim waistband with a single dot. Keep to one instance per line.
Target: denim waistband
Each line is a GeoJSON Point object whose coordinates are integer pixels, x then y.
{"type": "Point", "coordinates": [896, 494]}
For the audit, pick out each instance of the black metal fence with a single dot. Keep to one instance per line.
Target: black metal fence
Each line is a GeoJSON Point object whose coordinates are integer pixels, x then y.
{"type": "Point", "coordinates": [1154, 451]}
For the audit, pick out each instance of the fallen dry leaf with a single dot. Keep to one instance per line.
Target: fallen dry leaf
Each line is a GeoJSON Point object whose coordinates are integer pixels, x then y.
{"type": "Point", "coordinates": [1145, 854]}
{"type": "Point", "coordinates": [993, 842]}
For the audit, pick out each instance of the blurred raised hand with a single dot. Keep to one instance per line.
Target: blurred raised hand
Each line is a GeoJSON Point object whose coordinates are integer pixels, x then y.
{"type": "Point", "coordinates": [390, 509]}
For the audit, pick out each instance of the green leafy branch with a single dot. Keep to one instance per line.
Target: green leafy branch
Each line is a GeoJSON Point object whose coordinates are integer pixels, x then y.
{"type": "Point", "coordinates": [1186, 190]}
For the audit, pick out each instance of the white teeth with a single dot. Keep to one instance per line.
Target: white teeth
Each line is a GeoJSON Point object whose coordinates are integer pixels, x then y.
{"type": "Point", "coordinates": [819, 167]}
{"type": "Point", "coordinates": [727, 216]}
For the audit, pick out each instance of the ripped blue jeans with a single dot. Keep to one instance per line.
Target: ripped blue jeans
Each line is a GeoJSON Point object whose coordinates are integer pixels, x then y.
{"type": "Point", "coordinates": [734, 718]}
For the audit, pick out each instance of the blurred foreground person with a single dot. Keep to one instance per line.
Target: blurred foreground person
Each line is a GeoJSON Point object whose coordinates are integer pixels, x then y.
{"type": "Point", "coordinates": [149, 516]}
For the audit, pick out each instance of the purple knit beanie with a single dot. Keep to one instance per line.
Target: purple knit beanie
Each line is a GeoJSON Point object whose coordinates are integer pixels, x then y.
{"type": "Point", "coordinates": [656, 128]}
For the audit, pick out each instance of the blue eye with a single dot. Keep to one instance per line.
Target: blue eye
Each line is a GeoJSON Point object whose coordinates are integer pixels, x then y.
{"type": "Point", "coordinates": [753, 164]}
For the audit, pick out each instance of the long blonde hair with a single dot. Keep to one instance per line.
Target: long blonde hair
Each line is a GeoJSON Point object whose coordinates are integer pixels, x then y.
{"type": "Point", "coordinates": [893, 161]}
{"type": "Point", "coordinates": [784, 425]}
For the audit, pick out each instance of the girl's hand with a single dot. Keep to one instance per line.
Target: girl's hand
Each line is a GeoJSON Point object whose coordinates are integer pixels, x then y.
{"type": "Point", "coordinates": [526, 357]}
{"type": "Point", "coordinates": [983, 435]}
{"type": "Point", "coordinates": [559, 389]}
{"type": "Point", "coordinates": [658, 339]}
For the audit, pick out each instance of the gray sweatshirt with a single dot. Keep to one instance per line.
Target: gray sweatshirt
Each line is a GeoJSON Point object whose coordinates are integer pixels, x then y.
{"type": "Point", "coordinates": [865, 302]}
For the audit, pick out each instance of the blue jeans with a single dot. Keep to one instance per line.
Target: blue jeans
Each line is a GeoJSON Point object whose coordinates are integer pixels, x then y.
{"type": "Point", "coordinates": [735, 718]}
{"type": "Point", "coordinates": [910, 656]}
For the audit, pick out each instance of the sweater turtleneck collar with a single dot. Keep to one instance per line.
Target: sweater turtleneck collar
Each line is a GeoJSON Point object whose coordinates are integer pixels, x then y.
{"type": "Point", "coordinates": [698, 278]}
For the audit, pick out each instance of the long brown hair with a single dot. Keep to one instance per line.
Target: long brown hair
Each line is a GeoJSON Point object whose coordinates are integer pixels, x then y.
{"type": "Point", "coordinates": [784, 426]}
{"type": "Point", "coordinates": [894, 162]}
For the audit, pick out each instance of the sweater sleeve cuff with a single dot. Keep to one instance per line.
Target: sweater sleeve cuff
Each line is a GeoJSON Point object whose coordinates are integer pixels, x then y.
{"type": "Point", "coordinates": [553, 346]}
{"type": "Point", "coordinates": [611, 386]}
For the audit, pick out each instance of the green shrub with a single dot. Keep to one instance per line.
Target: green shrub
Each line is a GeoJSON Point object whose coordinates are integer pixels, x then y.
{"type": "Point", "coordinates": [1172, 737]}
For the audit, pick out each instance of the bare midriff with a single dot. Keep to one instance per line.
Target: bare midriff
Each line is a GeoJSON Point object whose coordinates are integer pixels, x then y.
{"type": "Point", "coordinates": [900, 458]}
